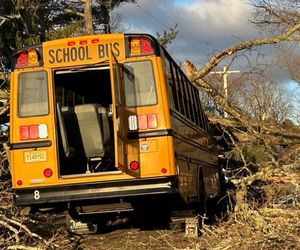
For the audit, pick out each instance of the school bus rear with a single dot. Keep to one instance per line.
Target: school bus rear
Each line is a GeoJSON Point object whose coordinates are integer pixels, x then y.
{"type": "Point", "coordinates": [89, 120]}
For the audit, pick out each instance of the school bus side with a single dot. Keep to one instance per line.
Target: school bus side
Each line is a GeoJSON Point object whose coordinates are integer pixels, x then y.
{"type": "Point", "coordinates": [195, 150]}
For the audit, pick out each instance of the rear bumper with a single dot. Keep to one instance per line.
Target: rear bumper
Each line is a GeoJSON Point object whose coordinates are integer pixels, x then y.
{"type": "Point", "coordinates": [95, 191]}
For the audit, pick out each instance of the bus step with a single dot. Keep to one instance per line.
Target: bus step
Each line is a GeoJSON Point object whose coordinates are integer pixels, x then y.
{"type": "Point", "coordinates": [192, 227]}
{"type": "Point", "coordinates": [179, 218]}
{"type": "Point", "coordinates": [104, 208]}
{"type": "Point", "coordinates": [80, 225]}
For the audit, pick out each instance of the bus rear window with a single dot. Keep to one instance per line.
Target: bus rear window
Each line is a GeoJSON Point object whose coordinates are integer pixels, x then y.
{"type": "Point", "coordinates": [33, 94]}
{"type": "Point", "coordinates": [139, 84]}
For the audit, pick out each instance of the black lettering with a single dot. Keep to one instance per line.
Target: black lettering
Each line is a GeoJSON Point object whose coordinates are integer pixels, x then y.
{"type": "Point", "coordinates": [73, 54]}
{"type": "Point", "coordinates": [116, 49]}
{"type": "Point", "coordinates": [58, 58]}
{"type": "Point", "coordinates": [88, 57]}
{"type": "Point", "coordinates": [107, 50]}
{"type": "Point", "coordinates": [81, 53]}
{"type": "Point", "coordinates": [66, 55]}
{"type": "Point", "coordinates": [101, 53]}
{"type": "Point", "coordinates": [51, 55]}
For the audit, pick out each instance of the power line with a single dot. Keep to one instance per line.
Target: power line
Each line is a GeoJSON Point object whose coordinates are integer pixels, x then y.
{"type": "Point", "coordinates": [166, 27]}
{"type": "Point", "coordinates": [173, 21]}
{"type": "Point", "coordinates": [160, 22]}
{"type": "Point", "coordinates": [155, 18]}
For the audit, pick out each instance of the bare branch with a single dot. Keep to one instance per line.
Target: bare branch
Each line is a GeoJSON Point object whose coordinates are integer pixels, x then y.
{"type": "Point", "coordinates": [215, 60]}
{"type": "Point", "coordinates": [74, 12]}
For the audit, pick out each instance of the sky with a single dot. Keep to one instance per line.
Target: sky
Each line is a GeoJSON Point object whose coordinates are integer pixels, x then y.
{"type": "Point", "coordinates": [205, 28]}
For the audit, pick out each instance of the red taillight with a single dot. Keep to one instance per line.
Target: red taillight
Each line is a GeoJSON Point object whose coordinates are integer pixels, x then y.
{"type": "Point", "coordinates": [152, 120]}
{"type": "Point", "coordinates": [134, 165]}
{"type": "Point", "coordinates": [19, 182]}
{"type": "Point", "coordinates": [48, 172]}
{"type": "Point", "coordinates": [24, 133]}
{"type": "Point", "coordinates": [146, 46]}
{"type": "Point", "coordinates": [33, 132]}
{"type": "Point", "coordinates": [22, 60]}
{"type": "Point", "coordinates": [142, 121]}
{"type": "Point", "coordinates": [71, 43]}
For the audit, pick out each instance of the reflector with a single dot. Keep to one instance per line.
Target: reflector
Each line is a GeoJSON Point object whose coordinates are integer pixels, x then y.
{"type": "Point", "coordinates": [134, 165]}
{"type": "Point", "coordinates": [19, 182]}
{"type": "Point", "coordinates": [48, 172]}
{"type": "Point", "coordinates": [164, 170]}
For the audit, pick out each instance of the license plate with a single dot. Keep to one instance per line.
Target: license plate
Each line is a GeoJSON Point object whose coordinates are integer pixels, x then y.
{"type": "Point", "coordinates": [35, 156]}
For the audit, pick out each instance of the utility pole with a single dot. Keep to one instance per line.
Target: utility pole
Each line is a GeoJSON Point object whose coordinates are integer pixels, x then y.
{"type": "Point", "coordinates": [225, 73]}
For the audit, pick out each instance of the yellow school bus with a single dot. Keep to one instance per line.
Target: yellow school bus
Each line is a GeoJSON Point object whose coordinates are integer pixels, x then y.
{"type": "Point", "coordinates": [106, 123]}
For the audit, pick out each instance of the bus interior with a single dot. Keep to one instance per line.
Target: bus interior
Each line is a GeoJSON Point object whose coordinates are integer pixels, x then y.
{"type": "Point", "coordinates": [84, 117]}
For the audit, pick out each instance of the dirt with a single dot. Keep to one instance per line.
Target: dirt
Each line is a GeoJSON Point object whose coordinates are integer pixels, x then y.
{"type": "Point", "coordinates": [131, 235]}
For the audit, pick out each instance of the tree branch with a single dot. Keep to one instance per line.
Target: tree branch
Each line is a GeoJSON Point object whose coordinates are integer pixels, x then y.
{"type": "Point", "coordinates": [216, 59]}
{"type": "Point", "coordinates": [74, 12]}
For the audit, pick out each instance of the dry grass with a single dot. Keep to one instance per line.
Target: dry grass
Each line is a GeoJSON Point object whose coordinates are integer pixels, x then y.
{"type": "Point", "coordinates": [275, 224]}
{"type": "Point", "coordinates": [272, 222]}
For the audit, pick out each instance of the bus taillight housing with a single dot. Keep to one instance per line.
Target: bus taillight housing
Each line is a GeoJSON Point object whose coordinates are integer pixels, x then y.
{"type": "Point", "coordinates": [142, 122]}
{"type": "Point", "coordinates": [33, 132]}
{"type": "Point", "coordinates": [28, 58]}
{"type": "Point", "coordinates": [140, 46]}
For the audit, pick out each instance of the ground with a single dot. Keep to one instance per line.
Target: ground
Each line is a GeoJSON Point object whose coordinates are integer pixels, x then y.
{"type": "Point", "coordinates": [266, 215]}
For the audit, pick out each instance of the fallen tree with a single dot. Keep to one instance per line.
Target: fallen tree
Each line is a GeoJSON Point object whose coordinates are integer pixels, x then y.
{"type": "Point", "coordinates": [257, 130]}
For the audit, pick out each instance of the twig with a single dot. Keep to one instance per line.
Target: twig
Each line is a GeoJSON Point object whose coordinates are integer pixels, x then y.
{"type": "Point", "coordinates": [23, 247]}
{"type": "Point", "coordinates": [6, 225]}
{"type": "Point", "coordinates": [25, 228]}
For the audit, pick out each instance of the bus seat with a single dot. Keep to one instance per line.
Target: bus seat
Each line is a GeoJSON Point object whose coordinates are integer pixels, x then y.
{"type": "Point", "coordinates": [72, 130]}
{"type": "Point", "coordinates": [69, 151]}
{"type": "Point", "coordinates": [90, 130]}
{"type": "Point", "coordinates": [107, 132]}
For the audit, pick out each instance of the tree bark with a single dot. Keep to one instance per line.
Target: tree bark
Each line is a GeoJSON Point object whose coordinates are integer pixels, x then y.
{"type": "Point", "coordinates": [88, 17]}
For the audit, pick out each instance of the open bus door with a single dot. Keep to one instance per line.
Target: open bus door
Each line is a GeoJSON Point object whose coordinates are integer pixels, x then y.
{"type": "Point", "coordinates": [118, 113]}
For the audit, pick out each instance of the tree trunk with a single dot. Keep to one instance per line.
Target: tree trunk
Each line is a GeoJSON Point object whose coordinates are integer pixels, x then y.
{"type": "Point", "coordinates": [88, 17]}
